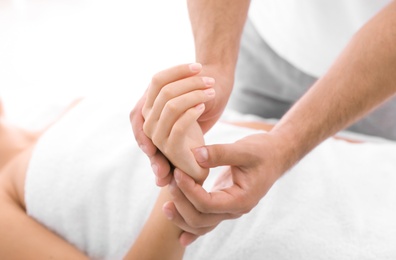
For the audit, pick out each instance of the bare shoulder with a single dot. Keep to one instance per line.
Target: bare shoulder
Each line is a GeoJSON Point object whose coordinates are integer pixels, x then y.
{"type": "Point", "coordinates": [23, 237]}
{"type": "Point", "coordinates": [13, 175]}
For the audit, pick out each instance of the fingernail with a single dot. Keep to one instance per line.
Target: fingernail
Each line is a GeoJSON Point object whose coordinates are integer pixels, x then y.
{"type": "Point", "coordinates": [208, 81]}
{"type": "Point", "coordinates": [209, 92]}
{"type": "Point", "coordinates": [177, 175]}
{"type": "Point", "coordinates": [154, 167]}
{"type": "Point", "coordinates": [168, 213]}
{"type": "Point", "coordinates": [195, 67]}
{"type": "Point", "coordinates": [201, 154]}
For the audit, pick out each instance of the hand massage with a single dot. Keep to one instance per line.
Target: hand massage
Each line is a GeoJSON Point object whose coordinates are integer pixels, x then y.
{"type": "Point", "coordinates": [247, 153]}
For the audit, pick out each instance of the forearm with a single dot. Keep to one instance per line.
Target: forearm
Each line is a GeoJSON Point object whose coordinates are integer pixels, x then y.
{"type": "Point", "coordinates": [159, 238]}
{"type": "Point", "coordinates": [217, 27]}
{"type": "Point", "coordinates": [361, 79]}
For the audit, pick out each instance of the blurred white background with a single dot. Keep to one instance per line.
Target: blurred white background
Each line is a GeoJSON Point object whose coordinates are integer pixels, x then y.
{"type": "Point", "coordinates": [51, 51]}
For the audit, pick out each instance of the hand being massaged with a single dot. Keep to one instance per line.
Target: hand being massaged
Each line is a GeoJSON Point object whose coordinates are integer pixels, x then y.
{"type": "Point", "coordinates": [174, 101]}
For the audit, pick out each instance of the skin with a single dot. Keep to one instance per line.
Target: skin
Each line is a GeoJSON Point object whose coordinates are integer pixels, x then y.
{"type": "Point", "coordinates": [24, 238]}
{"type": "Point", "coordinates": [18, 230]}
{"type": "Point", "coordinates": [219, 65]}
{"type": "Point", "coordinates": [172, 92]}
{"type": "Point", "coordinates": [360, 79]}
{"type": "Point", "coordinates": [171, 121]}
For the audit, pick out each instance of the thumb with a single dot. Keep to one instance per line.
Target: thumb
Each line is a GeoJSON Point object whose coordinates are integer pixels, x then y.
{"type": "Point", "coordinates": [219, 154]}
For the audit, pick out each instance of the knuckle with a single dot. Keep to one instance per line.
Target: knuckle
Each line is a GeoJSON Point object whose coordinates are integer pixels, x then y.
{"type": "Point", "coordinates": [157, 141]}
{"type": "Point", "coordinates": [171, 107]}
{"type": "Point", "coordinates": [145, 112]}
{"type": "Point", "coordinates": [135, 113]}
{"type": "Point", "coordinates": [166, 150]}
{"type": "Point", "coordinates": [203, 208]}
{"type": "Point", "coordinates": [155, 79]}
{"type": "Point", "coordinates": [245, 204]}
{"type": "Point", "coordinates": [167, 92]}
{"type": "Point", "coordinates": [178, 130]}
{"type": "Point", "coordinates": [146, 129]}
{"type": "Point", "coordinates": [249, 205]}
{"type": "Point", "coordinates": [194, 222]}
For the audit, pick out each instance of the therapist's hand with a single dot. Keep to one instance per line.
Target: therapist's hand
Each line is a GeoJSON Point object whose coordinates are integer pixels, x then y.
{"type": "Point", "coordinates": [256, 164]}
{"type": "Point", "coordinates": [213, 110]}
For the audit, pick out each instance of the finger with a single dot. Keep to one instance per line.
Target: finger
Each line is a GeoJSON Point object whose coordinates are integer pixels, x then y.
{"type": "Point", "coordinates": [228, 201]}
{"type": "Point", "coordinates": [167, 76]}
{"type": "Point", "coordinates": [223, 154]}
{"type": "Point", "coordinates": [186, 238]}
{"type": "Point", "coordinates": [169, 136]}
{"type": "Point", "coordinates": [173, 215]}
{"type": "Point", "coordinates": [222, 203]}
{"type": "Point", "coordinates": [160, 165]}
{"type": "Point", "coordinates": [137, 121]}
{"type": "Point", "coordinates": [176, 89]}
{"type": "Point", "coordinates": [184, 159]}
{"type": "Point", "coordinates": [185, 215]}
{"type": "Point", "coordinates": [162, 182]}
{"type": "Point", "coordinates": [161, 125]}
{"type": "Point", "coordinates": [178, 106]}
{"type": "Point", "coordinates": [184, 122]}
{"type": "Point", "coordinates": [173, 121]}
{"type": "Point", "coordinates": [194, 219]}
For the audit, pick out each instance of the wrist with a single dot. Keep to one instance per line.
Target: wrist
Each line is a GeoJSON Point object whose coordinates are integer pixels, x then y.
{"type": "Point", "coordinates": [287, 149]}
{"type": "Point", "coordinates": [224, 80]}
{"type": "Point", "coordinates": [220, 70]}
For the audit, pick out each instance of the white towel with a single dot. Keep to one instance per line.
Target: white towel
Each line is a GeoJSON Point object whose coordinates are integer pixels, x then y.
{"type": "Point", "coordinates": [337, 203]}
{"type": "Point", "coordinates": [89, 182]}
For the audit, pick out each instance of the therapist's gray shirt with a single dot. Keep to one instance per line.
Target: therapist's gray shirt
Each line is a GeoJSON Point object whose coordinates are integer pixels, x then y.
{"type": "Point", "coordinates": [267, 85]}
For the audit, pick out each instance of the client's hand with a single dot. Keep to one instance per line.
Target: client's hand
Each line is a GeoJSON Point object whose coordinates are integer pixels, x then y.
{"type": "Point", "coordinates": [174, 102]}
{"type": "Point", "coordinates": [213, 109]}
